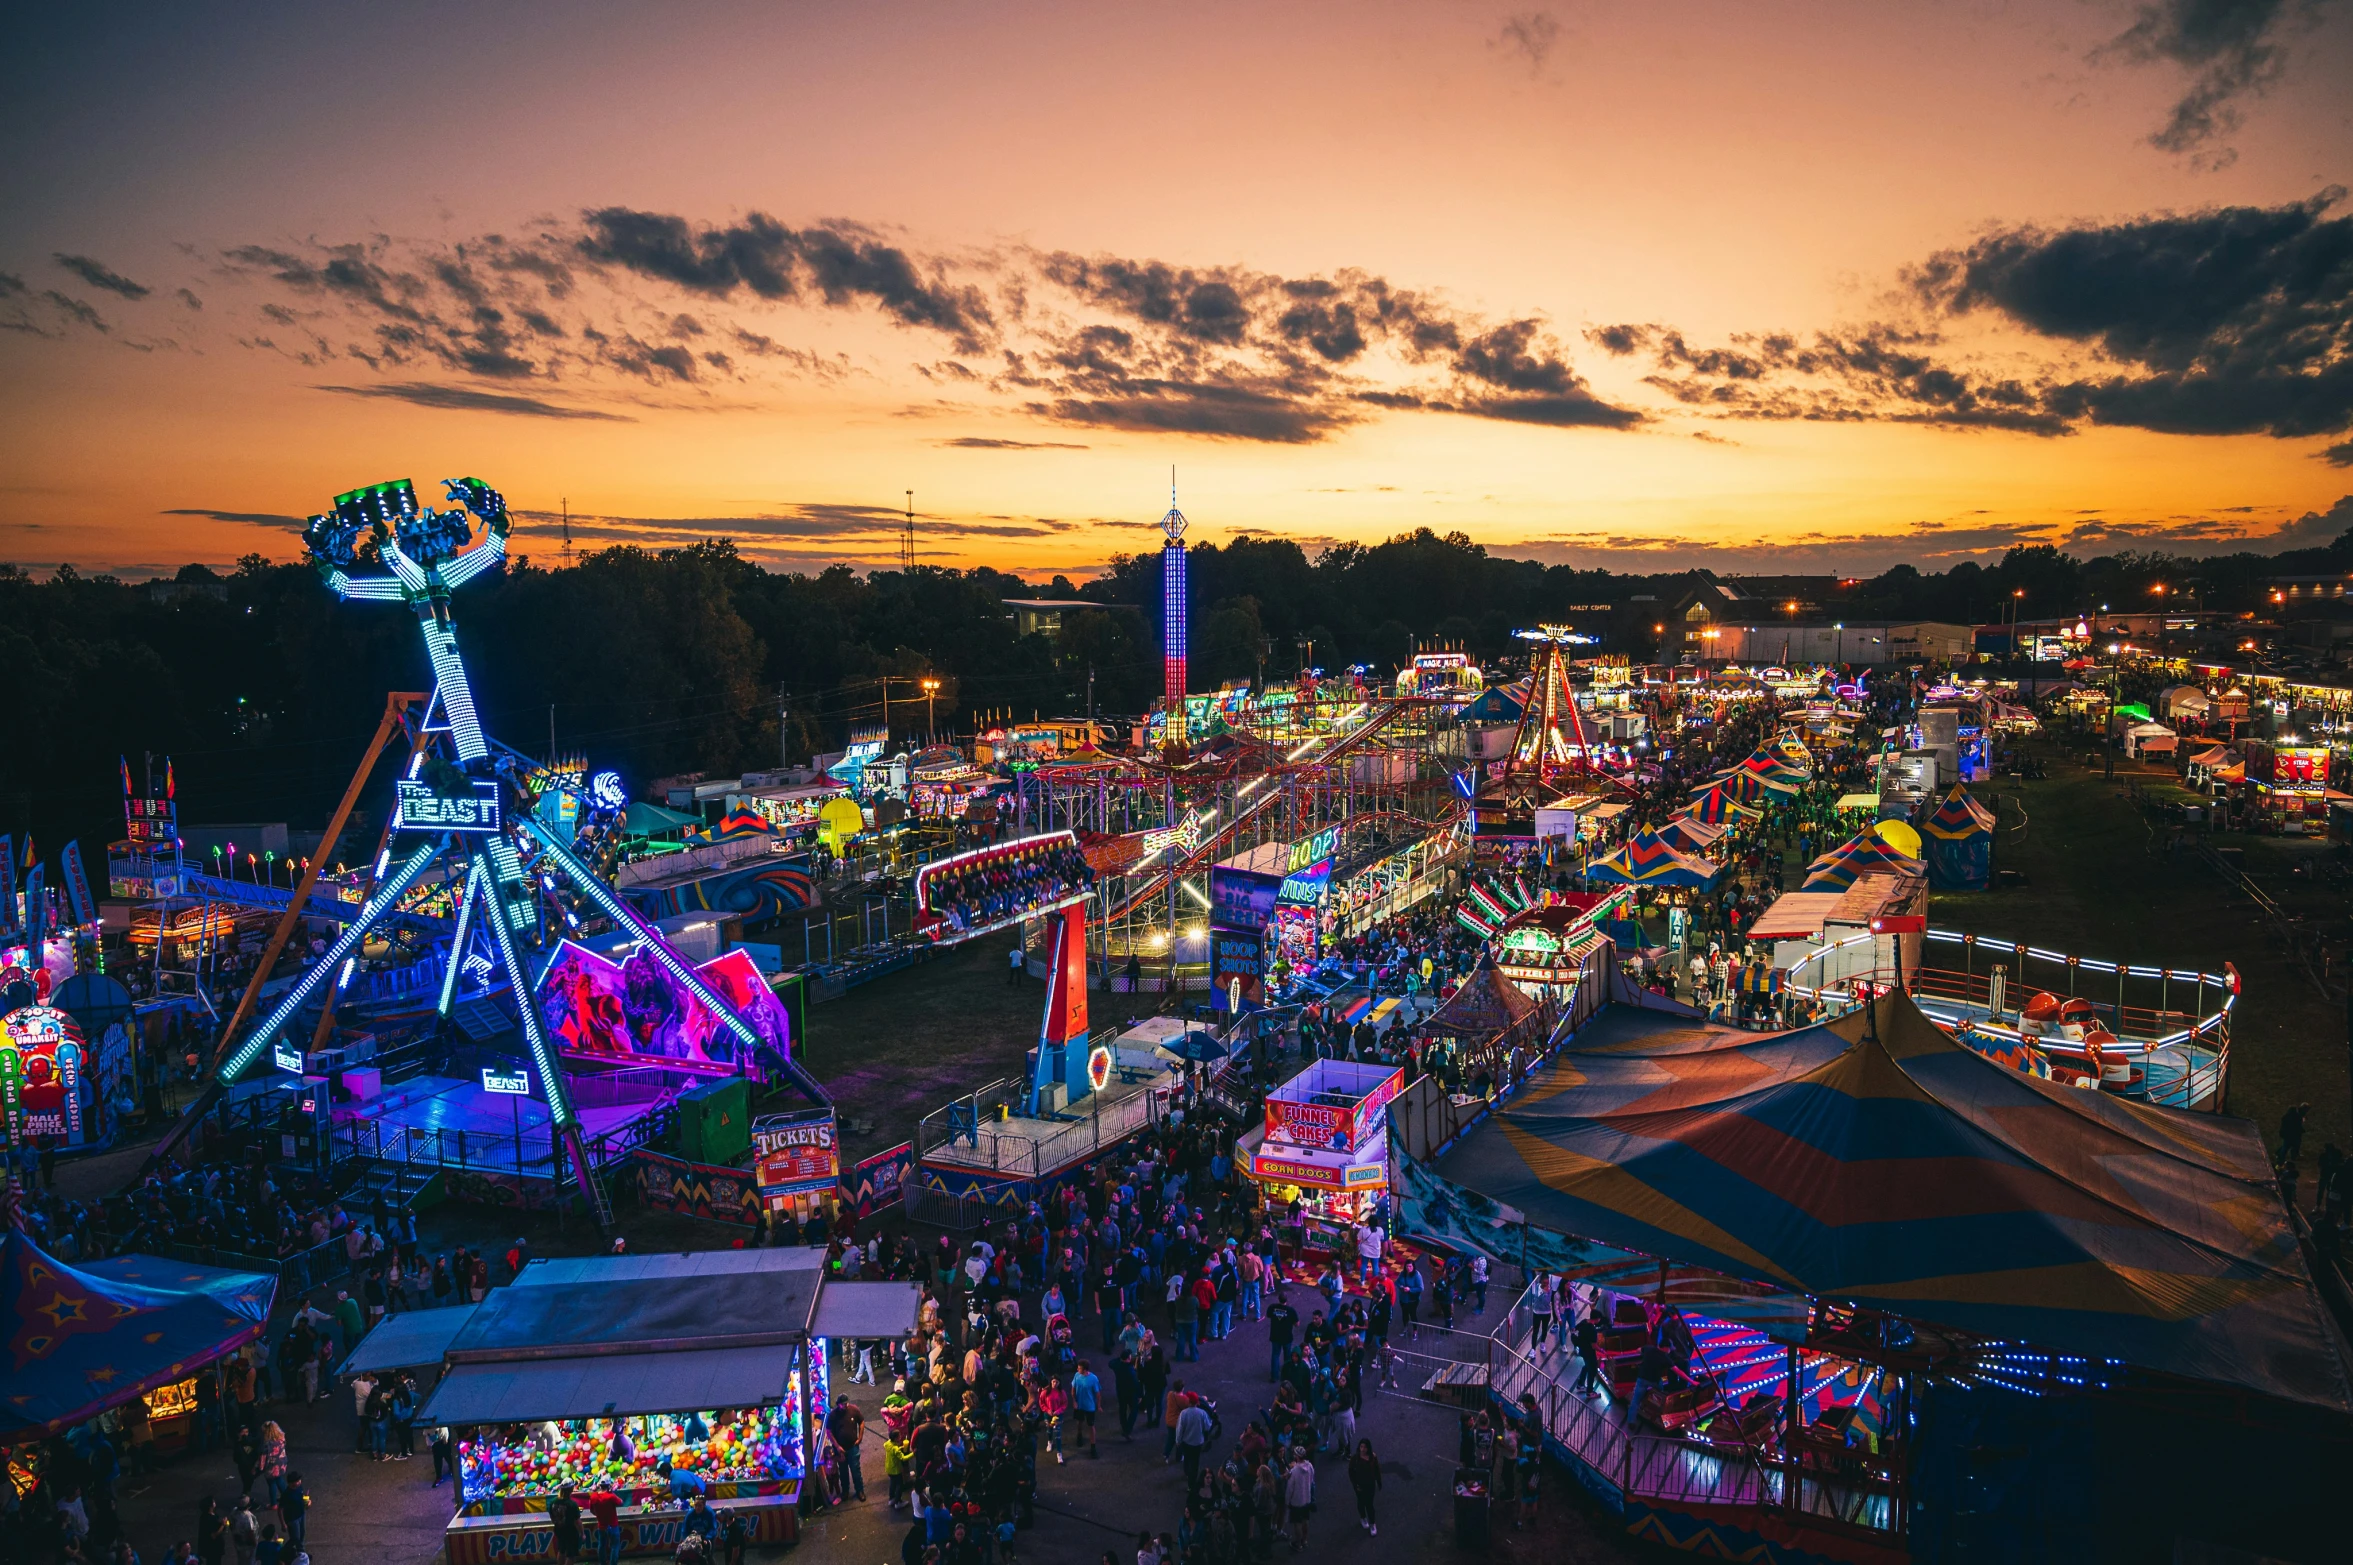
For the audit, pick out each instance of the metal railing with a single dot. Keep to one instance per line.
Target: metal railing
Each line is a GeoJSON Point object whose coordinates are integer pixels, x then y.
{"type": "Point", "coordinates": [1669, 1468]}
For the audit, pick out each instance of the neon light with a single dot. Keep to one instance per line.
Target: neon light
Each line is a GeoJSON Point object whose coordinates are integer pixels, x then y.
{"type": "Point", "coordinates": [387, 897]}
{"type": "Point", "coordinates": [622, 913]}
{"type": "Point", "coordinates": [457, 944]}
{"type": "Point", "coordinates": [559, 1102]}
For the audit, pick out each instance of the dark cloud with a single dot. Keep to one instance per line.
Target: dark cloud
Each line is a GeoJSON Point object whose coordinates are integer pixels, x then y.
{"type": "Point", "coordinates": [2237, 320]}
{"type": "Point", "coordinates": [2231, 50]}
{"type": "Point", "coordinates": [763, 257]}
{"type": "Point", "coordinates": [189, 299]}
{"type": "Point", "coordinates": [1530, 35]}
{"type": "Point", "coordinates": [2230, 321]}
{"type": "Point", "coordinates": [256, 518]}
{"type": "Point", "coordinates": [76, 310]}
{"type": "Point", "coordinates": [986, 443]}
{"type": "Point", "coordinates": [463, 400]}
{"type": "Point", "coordinates": [1097, 341]}
{"type": "Point", "coordinates": [99, 275]}
{"type": "Point", "coordinates": [1223, 412]}
{"type": "Point", "coordinates": [2339, 455]}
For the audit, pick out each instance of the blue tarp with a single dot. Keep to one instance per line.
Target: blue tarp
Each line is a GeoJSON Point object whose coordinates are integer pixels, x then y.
{"type": "Point", "coordinates": [83, 1339]}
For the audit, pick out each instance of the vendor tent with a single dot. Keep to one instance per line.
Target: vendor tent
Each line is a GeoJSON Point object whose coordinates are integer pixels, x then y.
{"type": "Point", "coordinates": [1486, 1006]}
{"type": "Point", "coordinates": [83, 1339]}
{"type": "Point", "coordinates": [1647, 860]}
{"type": "Point", "coordinates": [2150, 739]}
{"type": "Point", "coordinates": [1686, 835]}
{"type": "Point", "coordinates": [1718, 808]}
{"type": "Point", "coordinates": [1957, 843]}
{"type": "Point", "coordinates": [1865, 853]}
{"type": "Point", "coordinates": [1900, 1171]}
{"type": "Point", "coordinates": [2183, 701]}
{"type": "Point", "coordinates": [645, 819]}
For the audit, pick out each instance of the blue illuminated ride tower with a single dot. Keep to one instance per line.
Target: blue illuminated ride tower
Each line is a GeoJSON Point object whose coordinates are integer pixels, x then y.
{"type": "Point", "coordinates": [464, 796]}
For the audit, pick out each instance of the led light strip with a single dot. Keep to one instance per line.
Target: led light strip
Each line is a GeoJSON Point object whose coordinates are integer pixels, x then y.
{"type": "Point", "coordinates": [457, 944]}
{"type": "Point", "coordinates": [622, 913]}
{"type": "Point", "coordinates": [559, 1099]}
{"type": "Point", "coordinates": [386, 898]}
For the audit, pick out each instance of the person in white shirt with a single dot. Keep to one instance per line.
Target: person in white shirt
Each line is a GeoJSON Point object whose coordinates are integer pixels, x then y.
{"type": "Point", "coordinates": [1371, 1243]}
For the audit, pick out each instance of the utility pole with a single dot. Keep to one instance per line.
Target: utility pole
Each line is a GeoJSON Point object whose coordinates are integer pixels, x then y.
{"type": "Point", "coordinates": [567, 530]}
{"type": "Point", "coordinates": [907, 538]}
{"type": "Point", "coordinates": [886, 711]}
{"type": "Point", "coordinates": [783, 729]}
{"type": "Point", "coordinates": [1090, 708]}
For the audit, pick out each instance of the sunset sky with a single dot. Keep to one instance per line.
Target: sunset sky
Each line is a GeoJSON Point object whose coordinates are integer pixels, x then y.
{"type": "Point", "coordinates": [1815, 286]}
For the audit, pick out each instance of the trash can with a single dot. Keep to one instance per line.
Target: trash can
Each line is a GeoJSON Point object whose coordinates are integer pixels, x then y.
{"type": "Point", "coordinates": [1470, 1508]}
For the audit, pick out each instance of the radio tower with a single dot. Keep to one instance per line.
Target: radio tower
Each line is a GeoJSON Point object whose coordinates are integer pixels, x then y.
{"type": "Point", "coordinates": [907, 538]}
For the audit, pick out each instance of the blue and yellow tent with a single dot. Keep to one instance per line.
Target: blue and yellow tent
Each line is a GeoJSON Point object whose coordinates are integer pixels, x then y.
{"type": "Point", "coordinates": [1885, 1166]}
{"type": "Point", "coordinates": [1862, 854]}
{"type": "Point", "coordinates": [79, 1340]}
{"type": "Point", "coordinates": [1957, 842]}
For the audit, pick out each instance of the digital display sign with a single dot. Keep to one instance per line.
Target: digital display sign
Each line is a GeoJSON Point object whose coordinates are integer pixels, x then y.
{"type": "Point", "coordinates": [512, 1083]}
{"type": "Point", "coordinates": [421, 809]}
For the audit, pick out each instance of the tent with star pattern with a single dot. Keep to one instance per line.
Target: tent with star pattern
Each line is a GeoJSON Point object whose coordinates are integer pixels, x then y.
{"type": "Point", "coordinates": [82, 1339]}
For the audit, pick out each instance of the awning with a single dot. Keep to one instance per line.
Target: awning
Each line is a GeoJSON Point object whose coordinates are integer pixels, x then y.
{"type": "Point", "coordinates": [614, 1385]}
{"type": "Point", "coordinates": [408, 1340]}
{"type": "Point", "coordinates": [1858, 801]}
{"type": "Point", "coordinates": [865, 1309]}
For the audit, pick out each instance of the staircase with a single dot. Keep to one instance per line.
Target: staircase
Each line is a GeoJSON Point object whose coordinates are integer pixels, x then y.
{"type": "Point", "coordinates": [481, 1019]}
{"type": "Point", "coordinates": [409, 1187]}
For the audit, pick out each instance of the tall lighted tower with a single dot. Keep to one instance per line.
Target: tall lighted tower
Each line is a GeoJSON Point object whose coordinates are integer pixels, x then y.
{"type": "Point", "coordinates": [1172, 623]}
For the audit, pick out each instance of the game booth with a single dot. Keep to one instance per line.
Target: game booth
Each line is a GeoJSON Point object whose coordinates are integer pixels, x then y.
{"type": "Point", "coordinates": [1324, 1146]}
{"type": "Point", "coordinates": [619, 1372]}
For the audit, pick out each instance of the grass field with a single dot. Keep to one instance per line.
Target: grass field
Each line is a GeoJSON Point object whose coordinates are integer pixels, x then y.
{"type": "Point", "coordinates": [2100, 884]}
{"type": "Point", "coordinates": [893, 1050]}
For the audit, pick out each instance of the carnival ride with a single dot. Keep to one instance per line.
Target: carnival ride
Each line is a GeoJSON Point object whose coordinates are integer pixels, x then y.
{"type": "Point", "coordinates": [468, 817]}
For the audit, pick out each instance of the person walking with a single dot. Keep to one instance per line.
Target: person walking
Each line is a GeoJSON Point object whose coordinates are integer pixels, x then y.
{"type": "Point", "coordinates": [1086, 1398]}
{"type": "Point", "coordinates": [1364, 1476]}
{"type": "Point", "coordinates": [244, 1531]}
{"type": "Point", "coordinates": [848, 1427]}
{"type": "Point", "coordinates": [1192, 1442]}
{"type": "Point", "coordinates": [1282, 1323]}
{"type": "Point", "coordinates": [294, 1510]}
{"type": "Point", "coordinates": [1587, 1337]}
{"type": "Point", "coordinates": [1299, 1497]}
{"type": "Point", "coordinates": [605, 1506]}
{"type": "Point", "coordinates": [212, 1532]}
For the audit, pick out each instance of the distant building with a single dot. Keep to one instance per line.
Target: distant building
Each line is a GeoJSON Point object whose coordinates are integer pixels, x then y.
{"type": "Point", "coordinates": [1043, 616]}
{"type": "Point", "coordinates": [1695, 618]}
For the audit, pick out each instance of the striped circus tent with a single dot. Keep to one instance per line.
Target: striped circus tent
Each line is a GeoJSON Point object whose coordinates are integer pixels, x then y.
{"type": "Point", "coordinates": [1714, 807]}
{"type": "Point", "coordinates": [1860, 855]}
{"type": "Point", "coordinates": [1648, 860]}
{"type": "Point", "coordinates": [1878, 1163]}
{"type": "Point", "coordinates": [1686, 835]}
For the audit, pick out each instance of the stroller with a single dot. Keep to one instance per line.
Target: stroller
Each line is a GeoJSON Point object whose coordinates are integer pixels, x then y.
{"type": "Point", "coordinates": [1060, 1351]}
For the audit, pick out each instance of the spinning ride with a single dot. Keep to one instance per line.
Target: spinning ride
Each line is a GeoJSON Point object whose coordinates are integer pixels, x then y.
{"type": "Point", "coordinates": [466, 803]}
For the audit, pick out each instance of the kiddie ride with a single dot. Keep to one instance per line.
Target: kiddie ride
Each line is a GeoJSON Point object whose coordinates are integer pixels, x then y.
{"type": "Point", "coordinates": [472, 805]}
{"type": "Point", "coordinates": [2076, 1045]}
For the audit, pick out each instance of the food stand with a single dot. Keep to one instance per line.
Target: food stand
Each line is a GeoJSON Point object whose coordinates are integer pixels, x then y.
{"type": "Point", "coordinates": [2287, 787]}
{"type": "Point", "coordinates": [1325, 1145]}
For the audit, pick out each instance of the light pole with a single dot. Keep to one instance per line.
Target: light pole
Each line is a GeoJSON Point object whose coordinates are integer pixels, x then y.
{"type": "Point", "coordinates": [931, 688]}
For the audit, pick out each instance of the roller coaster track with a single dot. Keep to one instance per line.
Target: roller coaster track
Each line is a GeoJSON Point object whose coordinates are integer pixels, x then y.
{"type": "Point", "coordinates": [1206, 853]}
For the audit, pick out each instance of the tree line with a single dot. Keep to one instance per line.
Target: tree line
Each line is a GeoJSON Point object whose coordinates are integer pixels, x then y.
{"type": "Point", "coordinates": [263, 688]}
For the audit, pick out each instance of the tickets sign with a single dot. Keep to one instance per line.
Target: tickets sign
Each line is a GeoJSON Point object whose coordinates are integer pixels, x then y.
{"type": "Point", "coordinates": [800, 1155]}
